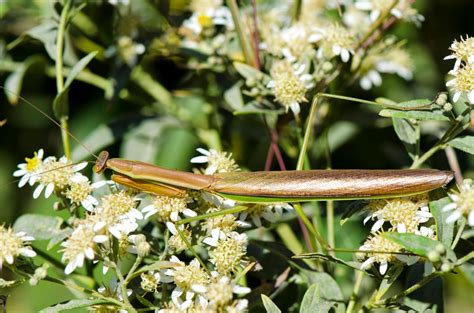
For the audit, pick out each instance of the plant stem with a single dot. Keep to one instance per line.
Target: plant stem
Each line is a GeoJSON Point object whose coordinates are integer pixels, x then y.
{"type": "Point", "coordinates": [123, 288]}
{"type": "Point", "coordinates": [459, 233]}
{"type": "Point", "coordinates": [59, 74]}
{"type": "Point", "coordinates": [355, 292]}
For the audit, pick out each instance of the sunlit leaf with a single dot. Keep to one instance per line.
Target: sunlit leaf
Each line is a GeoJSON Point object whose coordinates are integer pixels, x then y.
{"type": "Point", "coordinates": [270, 307]}
{"type": "Point", "coordinates": [465, 144]}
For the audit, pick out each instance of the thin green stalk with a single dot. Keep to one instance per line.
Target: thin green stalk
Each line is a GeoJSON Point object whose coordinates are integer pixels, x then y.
{"type": "Point", "coordinates": [355, 292]}
{"type": "Point", "coordinates": [132, 270]}
{"type": "Point", "coordinates": [413, 288]}
{"type": "Point", "coordinates": [212, 214]}
{"type": "Point", "coordinates": [243, 37]}
{"type": "Point", "coordinates": [188, 245]}
{"type": "Point", "coordinates": [299, 167]}
{"type": "Point", "coordinates": [123, 288]}
{"type": "Point", "coordinates": [458, 234]}
{"type": "Point", "coordinates": [59, 73]}
{"type": "Point", "coordinates": [296, 10]}
{"type": "Point", "coordinates": [330, 226]}
{"type": "Point", "coordinates": [49, 259]}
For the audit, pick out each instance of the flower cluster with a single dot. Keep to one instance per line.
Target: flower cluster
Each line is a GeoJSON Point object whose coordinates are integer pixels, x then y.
{"type": "Point", "coordinates": [403, 215]}
{"type": "Point", "coordinates": [463, 70]}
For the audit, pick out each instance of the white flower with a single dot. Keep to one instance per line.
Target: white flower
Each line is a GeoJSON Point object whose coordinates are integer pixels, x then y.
{"type": "Point", "coordinates": [169, 208]}
{"type": "Point", "coordinates": [378, 243]}
{"type": "Point", "coordinates": [55, 175]}
{"type": "Point", "coordinates": [218, 162]}
{"type": "Point", "coordinates": [13, 245]}
{"type": "Point", "coordinates": [463, 51]}
{"type": "Point", "coordinates": [190, 280]}
{"type": "Point", "coordinates": [334, 40]}
{"type": "Point", "coordinates": [462, 205]}
{"type": "Point", "coordinates": [27, 171]}
{"type": "Point", "coordinates": [81, 244]}
{"type": "Point", "coordinates": [79, 191]}
{"type": "Point", "coordinates": [463, 82]}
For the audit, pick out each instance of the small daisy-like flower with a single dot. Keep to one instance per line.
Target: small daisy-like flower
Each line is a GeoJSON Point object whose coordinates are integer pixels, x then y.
{"type": "Point", "coordinates": [403, 214]}
{"type": "Point", "coordinates": [463, 82]}
{"type": "Point", "coordinates": [462, 52]}
{"type": "Point", "coordinates": [290, 84]}
{"type": "Point", "coordinates": [190, 281]}
{"type": "Point", "coordinates": [79, 191]}
{"type": "Point", "coordinates": [81, 244]}
{"type": "Point", "coordinates": [27, 171]}
{"type": "Point", "coordinates": [334, 40]}
{"type": "Point", "coordinates": [217, 162]}
{"type": "Point", "coordinates": [150, 281]}
{"type": "Point", "coordinates": [220, 294]}
{"type": "Point", "coordinates": [270, 212]}
{"type": "Point", "coordinates": [292, 42]}
{"type": "Point", "coordinates": [13, 245]}
{"type": "Point", "coordinates": [207, 13]}
{"type": "Point", "coordinates": [378, 243]}
{"type": "Point", "coordinates": [228, 252]}
{"type": "Point", "coordinates": [175, 242]}
{"type": "Point", "coordinates": [169, 208]}
{"type": "Point", "coordinates": [55, 175]}
{"type": "Point", "coordinates": [462, 205]}
{"type": "Point", "coordinates": [117, 213]}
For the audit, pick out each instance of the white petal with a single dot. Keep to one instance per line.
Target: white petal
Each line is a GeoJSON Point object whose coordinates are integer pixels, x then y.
{"type": "Point", "coordinates": [70, 267]}
{"type": "Point", "coordinates": [470, 96]}
{"type": "Point", "coordinates": [174, 216]}
{"type": "Point", "coordinates": [367, 219]}
{"type": "Point", "coordinates": [189, 213]}
{"type": "Point", "coordinates": [456, 96]}
{"type": "Point", "coordinates": [9, 258]}
{"type": "Point", "coordinates": [241, 290]}
{"type": "Point", "coordinates": [256, 221]}
{"type": "Point", "coordinates": [198, 288]}
{"type": "Point", "coordinates": [23, 181]}
{"type": "Point", "coordinates": [200, 159]}
{"type": "Point", "coordinates": [27, 252]}
{"type": "Point", "coordinates": [89, 253]}
{"type": "Point", "coordinates": [453, 217]}
{"type": "Point", "coordinates": [80, 166]}
{"type": "Point", "coordinates": [401, 228]}
{"type": "Point", "coordinates": [101, 238]}
{"type": "Point", "coordinates": [470, 218]}
{"type": "Point", "coordinates": [377, 225]}
{"type": "Point", "coordinates": [38, 191]}
{"type": "Point", "coordinates": [367, 263]}
{"type": "Point", "coordinates": [19, 173]}
{"type": "Point", "coordinates": [49, 190]}
{"type": "Point", "coordinates": [345, 55]}
{"type": "Point", "coordinates": [383, 267]}
{"type": "Point", "coordinates": [449, 207]}
{"type": "Point", "coordinates": [172, 228]}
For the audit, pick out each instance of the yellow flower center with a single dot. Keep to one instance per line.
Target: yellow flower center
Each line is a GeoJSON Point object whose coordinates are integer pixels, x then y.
{"type": "Point", "coordinates": [33, 163]}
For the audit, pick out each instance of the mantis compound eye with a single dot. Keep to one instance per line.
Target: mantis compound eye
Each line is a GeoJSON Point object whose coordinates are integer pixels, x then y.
{"type": "Point", "coordinates": [101, 163]}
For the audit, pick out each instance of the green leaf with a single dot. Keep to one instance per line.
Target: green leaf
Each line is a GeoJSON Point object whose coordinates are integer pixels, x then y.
{"type": "Point", "coordinates": [61, 104]}
{"type": "Point", "coordinates": [385, 102]}
{"type": "Point", "coordinates": [255, 107]}
{"type": "Point", "coordinates": [331, 293]}
{"type": "Point", "coordinates": [247, 71]}
{"type": "Point", "coordinates": [408, 134]}
{"type": "Point", "coordinates": [46, 32]}
{"type": "Point", "coordinates": [141, 143]}
{"type": "Point", "coordinates": [418, 115]}
{"type": "Point", "coordinates": [312, 301]}
{"type": "Point", "coordinates": [465, 144]}
{"type": "Point", "coordinates": [444, 230]}
{"type": "Point", "coordinates": [270, 307]}
{"type": "Point", "coordinates": [14, 81]}
{"type": "Point", "coordinates": [233, 97]}
{"type": "Point", "coordinates": [41, 227]}
{"type": "Point", "coordinates": [73, 304]}
{"type": "Point", "coordinates": [417, 244]}
{"type": "Point", "coordinates": [415, 104]}
{"type": "Point", "coordinates": [78, 68]}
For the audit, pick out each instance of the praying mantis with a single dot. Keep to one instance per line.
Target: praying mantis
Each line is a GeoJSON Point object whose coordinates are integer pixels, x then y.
{"type": "Point", "coordinates": [276, 186]}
